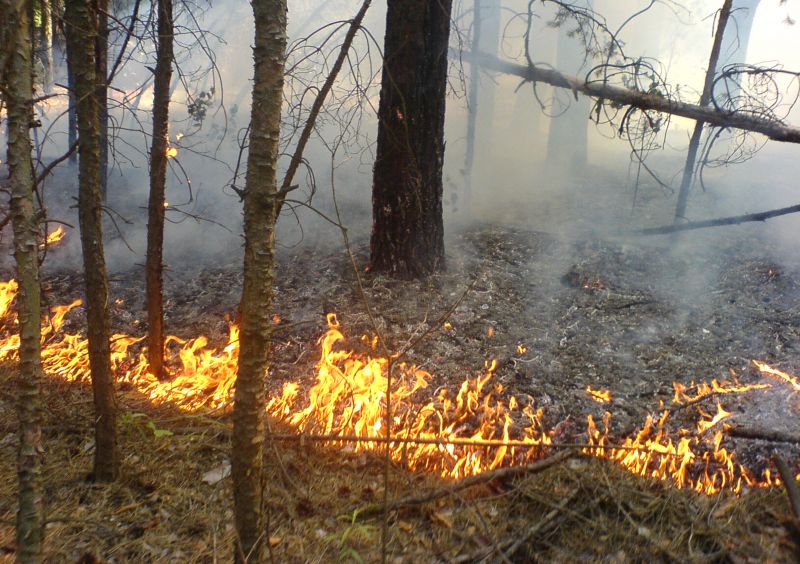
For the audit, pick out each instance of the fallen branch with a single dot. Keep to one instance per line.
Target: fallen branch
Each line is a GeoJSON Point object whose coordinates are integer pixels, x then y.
{"type": "Point", "coordinates": [734, 220]}
{"type": "Point", "coordinates": [763, 435]}
{"type": "Point", "coordinates": [773, 129]}
{"type": "Point", "coordinates": [499, 474]}
{"type": "Point", "coordinates": [791, 484]}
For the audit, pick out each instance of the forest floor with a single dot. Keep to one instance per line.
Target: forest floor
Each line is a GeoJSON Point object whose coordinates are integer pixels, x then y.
{"type": "Point", "coordinates": [558, 314]}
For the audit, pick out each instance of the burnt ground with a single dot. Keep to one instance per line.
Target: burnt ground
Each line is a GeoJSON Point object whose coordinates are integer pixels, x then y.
{"type": "Point", "coordinates": [631, 316]}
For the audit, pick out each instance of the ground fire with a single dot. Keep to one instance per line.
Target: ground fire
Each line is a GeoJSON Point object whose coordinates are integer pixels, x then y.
{"type": "Point", "coordinates": [450, 433]}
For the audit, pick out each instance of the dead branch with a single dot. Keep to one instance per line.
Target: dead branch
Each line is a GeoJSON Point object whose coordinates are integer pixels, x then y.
{"type": "Point", "coordinates": [763, 435]}
{"type": "Point", "coordinates": [499, 474]}
{"type": "Point", "coordinates": [773, 129]}
{"type": "Point", "coordinates": [297, 157]}
{"type": "Point", "coordinates": [791, 484]}
{"type": "Point", "coordinates": [734, 220]}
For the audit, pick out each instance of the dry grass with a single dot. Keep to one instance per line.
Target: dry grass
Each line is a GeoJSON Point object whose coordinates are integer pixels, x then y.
{"type": "Point", "coordinates": [163, 511]}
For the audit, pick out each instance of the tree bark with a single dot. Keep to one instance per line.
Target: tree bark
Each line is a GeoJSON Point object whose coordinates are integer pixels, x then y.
{"type": "Point", "coordinates": [260, 215]}
{"type": "Point", "coordinates": [18, 94]}
{"type": "Point", "coordinates": [705, 99]}
{"type": "Point", "coordinates": [158, 175]}
{"type": "Point", "coordinates": [81, 41]}
{"type": "Point", "coordinates": [773, 129]}
{"type": "Point", "coordinates": [408, 232]}
{"type": "Point", "coordinates": [101, 78]}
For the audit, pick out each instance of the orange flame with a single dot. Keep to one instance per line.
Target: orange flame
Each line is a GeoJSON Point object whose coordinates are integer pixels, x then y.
{"type": "Point", "coordinates": [600, 396]}
{"type": "Point", "coordinates": [56, 236]}
{"type": "Point", "coordinates": [767, 369]}
{"type": "Point", "coordinates": [452, 434]}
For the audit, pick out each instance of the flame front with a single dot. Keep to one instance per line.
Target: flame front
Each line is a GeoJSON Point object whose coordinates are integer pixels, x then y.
{"type": "Point", "coordinates": [452, 434]}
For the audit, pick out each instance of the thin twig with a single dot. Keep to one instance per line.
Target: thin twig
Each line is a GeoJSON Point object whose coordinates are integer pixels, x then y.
{"type": "Point", "coordinates": [499, 474]}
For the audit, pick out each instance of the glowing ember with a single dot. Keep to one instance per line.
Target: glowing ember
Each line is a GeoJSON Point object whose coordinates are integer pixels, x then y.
{"type": "Point", "coordinates": [447, 326]}
{"type": "Point", "coordinates": [522, 349]}
{"type": "Point", "coordinates": [600, 396]}
{"type": "Point", "coordinates": [449, 433]}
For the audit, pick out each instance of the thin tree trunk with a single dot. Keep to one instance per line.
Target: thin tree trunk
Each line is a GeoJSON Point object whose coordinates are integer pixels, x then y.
{"type": "Point", "coordinates": [705, 99]}
{"type": "Point", "coordinates": [81, 41]}
{"type": "Point", "coordinates": [45, 44]}
{"type": "Point", "coordinates": [407, 230]}
{"type": "Point", "coordinates": [18, 93]}
{"type": "Point", "coordinates": [72, 113]}
{"type": "Point", "coordinates": [158, 177]}
{"type": "Point", "coordinates": [260, 215]}
{"type": "Point", "coordinates": [101, 74]}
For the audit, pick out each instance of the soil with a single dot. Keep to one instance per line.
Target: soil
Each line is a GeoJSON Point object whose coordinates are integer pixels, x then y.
{"type": "Point", "coordinates": [558, 314]}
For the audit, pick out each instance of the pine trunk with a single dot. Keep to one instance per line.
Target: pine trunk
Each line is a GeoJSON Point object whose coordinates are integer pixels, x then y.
{"type": "Point", "coordinates": [81, 40]}
{"type": "Point", "coordinates": [18, 93]}
{"type": "Point", "coordinates": [158, 175]}
{"type": "Point", "coordinates": [408, 231]}
{"type": "Point", "coordinates": [260, 215]}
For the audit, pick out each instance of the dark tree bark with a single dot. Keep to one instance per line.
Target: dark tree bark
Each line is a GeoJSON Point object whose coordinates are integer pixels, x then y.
{"type": "Point", "coordinates": [17, 89]}
{"type": "Point", "coordinates": [260, 215]}
{"type": "Point", "coordinates": [407, 230]}
{"type": "Point", "coordinates": [158, 176]}
{"type": "Point", "coordinates": [81, 33]}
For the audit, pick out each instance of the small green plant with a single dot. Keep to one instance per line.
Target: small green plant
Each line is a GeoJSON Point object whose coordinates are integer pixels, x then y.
{"type": "Point", "coordinates": [355, 531]}
{"type": "Point", "coordinates": [139, 423]}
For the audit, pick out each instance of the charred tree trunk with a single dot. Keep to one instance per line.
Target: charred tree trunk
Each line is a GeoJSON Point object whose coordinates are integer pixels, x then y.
{"type": "Point", "coordinates": [81, 40]}
{"type": "Point", "coordinates": [158, 177]}
{"type": "Point", "coordinates": [17, 91]}
{"type": "Point", "coordinates": [407, 230]}
{"type": "Point", "coordinates": [260, 215]}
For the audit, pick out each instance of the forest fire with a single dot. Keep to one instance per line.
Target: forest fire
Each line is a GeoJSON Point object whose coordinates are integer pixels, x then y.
{"type": "Point", "coordinates": [452, 434]}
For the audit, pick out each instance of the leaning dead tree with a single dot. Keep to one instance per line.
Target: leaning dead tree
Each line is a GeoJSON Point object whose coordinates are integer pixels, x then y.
{"type": "Point", "coordinates": [620, 96]}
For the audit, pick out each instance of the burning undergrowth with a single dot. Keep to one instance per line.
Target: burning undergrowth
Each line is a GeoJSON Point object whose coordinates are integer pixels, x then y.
{"type": "Point", "coordinates": [597, 337]}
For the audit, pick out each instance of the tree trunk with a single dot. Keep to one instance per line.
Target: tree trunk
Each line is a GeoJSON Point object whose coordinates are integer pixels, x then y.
{"type": "Point", "coordinates": [18, 93]}
{"type": "Point", "coordinates": [407, 230]}
{"type": "Point", "coordinates": [705, 99]}
{"type": "Point", "coordinates": [44, 39]}
{"type": "Point", "coordinates": [260, 215]}
{"type": "Point", "coordinates": [568, 140]}
{"type": "Point", "coordinates": [81, 40]}
{"type": "Point", "coordinates": [158, 175]}
{"type": "Point", "coordinates": [101, 77]}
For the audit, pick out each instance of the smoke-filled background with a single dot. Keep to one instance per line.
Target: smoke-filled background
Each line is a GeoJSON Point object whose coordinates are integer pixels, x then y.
{"type": "Point", "coordinates": [544, 159]}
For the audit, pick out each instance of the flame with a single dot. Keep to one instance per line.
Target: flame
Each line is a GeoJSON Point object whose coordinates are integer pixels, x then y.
{"type": "Point", "coordinates": [56, 236]}
{"type": "Point", "coordinates": [452, 433]}
{"type": "Point", "coordinates": [768, 370]}
{"type": "Point", "coordinates": [522, 349]}
{"type": "Point", "coordinates": [600, 396]}
{"type": "Point", "coordinates": [172, 152]}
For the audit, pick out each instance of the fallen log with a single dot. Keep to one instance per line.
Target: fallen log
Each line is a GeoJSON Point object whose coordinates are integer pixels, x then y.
{"type": "Point", "coordinates": [773, 129]}
{"type": "Point", "coordinates": [763, 435]}
{"type": "Point", "coordinates": [733, 220]}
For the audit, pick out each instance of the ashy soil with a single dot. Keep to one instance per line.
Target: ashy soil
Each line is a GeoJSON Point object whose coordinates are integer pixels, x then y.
{"type": "Point", "coordinates": [559, 313]}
